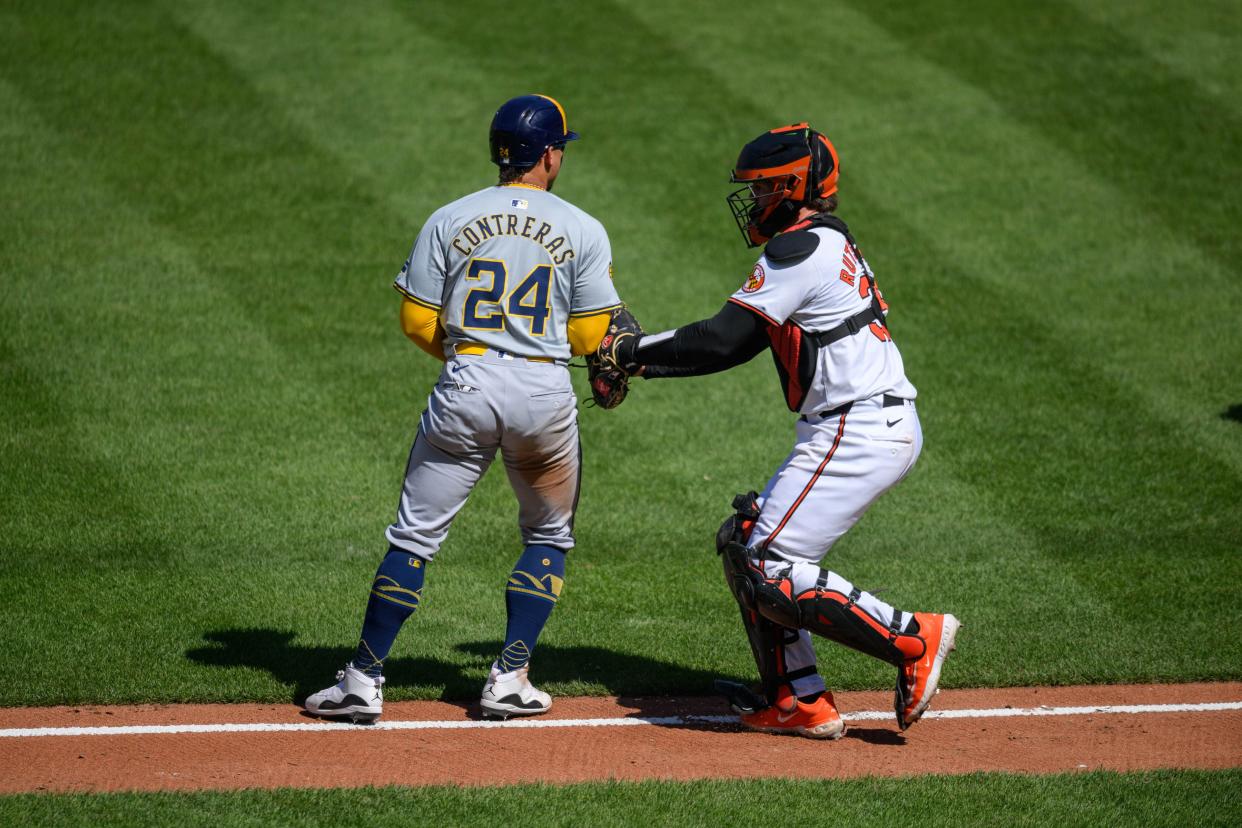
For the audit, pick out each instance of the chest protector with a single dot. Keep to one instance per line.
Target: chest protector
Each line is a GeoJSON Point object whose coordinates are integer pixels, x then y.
{"type": "Point", "coordinates": [796, 351]}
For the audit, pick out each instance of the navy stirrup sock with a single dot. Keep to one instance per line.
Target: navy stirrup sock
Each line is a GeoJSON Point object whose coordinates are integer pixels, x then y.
{"type": "Point", "coordinates": [395, 594]}
{"type": "Point", "coordinates": [534, 586]}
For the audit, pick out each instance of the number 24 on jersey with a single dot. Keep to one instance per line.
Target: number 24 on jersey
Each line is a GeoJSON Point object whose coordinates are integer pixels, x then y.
{"type": "Point", "coordinates": [486, 306]}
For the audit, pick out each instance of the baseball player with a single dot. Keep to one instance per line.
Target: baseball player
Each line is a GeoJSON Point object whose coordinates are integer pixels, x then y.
{"type": "Point", "coordinates": [503, 286]}
{"type": "Point", "coordinates": [812, 299]}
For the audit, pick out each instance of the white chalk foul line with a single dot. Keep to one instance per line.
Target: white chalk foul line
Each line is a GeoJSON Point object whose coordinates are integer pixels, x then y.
{"type": "Point", "coordinates": [629, 721]}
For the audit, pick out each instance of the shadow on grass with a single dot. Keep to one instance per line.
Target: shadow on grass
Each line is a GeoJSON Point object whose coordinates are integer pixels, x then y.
{"type": "Point", "coordinates": [1233, 412]}
{"type": "Point", "coordinates": [650, 687]}
{"type": "Point", "coordinates": [309, 669]}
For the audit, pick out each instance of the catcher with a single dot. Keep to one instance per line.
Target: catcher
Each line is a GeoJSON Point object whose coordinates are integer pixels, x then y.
{"type": "Point", "coordinates": [812, 299]}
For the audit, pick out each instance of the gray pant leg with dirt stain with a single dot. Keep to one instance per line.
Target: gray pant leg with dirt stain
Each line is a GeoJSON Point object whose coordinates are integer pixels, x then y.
{"type": "Point", "coordinates": [482, 404]}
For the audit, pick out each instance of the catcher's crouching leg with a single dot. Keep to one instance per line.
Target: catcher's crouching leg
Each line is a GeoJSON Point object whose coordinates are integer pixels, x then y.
{"type": "Point", "coordinates": [767, 638]}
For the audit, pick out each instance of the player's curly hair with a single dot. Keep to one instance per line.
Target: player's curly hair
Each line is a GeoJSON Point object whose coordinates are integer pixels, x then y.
{"type": "Point", "coordinates": [824, 205]}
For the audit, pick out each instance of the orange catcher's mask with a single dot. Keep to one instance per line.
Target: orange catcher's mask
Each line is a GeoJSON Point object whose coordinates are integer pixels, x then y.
{"type": "Point", "coordinates": [783, 170]}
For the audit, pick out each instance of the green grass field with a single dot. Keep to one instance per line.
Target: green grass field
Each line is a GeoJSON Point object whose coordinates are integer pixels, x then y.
{"type": "Point", "coordinates": [207, 402]}
{"type": "Point", "coordinates": [1088, 799]}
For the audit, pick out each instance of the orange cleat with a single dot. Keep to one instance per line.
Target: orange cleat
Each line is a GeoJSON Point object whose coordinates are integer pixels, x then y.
{"type": "Point", "coordinates": [817, 720]}
{"type": "Point", "coordinates": [918, 678]}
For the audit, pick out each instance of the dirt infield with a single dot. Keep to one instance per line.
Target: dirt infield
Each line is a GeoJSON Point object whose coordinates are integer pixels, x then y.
{"type": "Point", "coordinates": [1030, 730]}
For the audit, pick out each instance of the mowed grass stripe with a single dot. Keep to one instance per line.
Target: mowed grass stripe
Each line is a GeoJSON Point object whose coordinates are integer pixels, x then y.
{"type": "Point", "coordinates": [404, 113]}
{"type": "Point", "coordinates": [84, 388]}
{"type": "Point", "coordinates": [94, 517]}
{"type": "Point", "coordinates": [146, 488]}
{"type": "Point", "coordinates": [1115, 247]}
{"type": "Point", "coordinates": [1098, 95]}
{"type": "Point", "coordinates": [275, 224]}
{"type": "Point", "coordinates": [152, 364]}
{"type": "Point", "coordinates": [1194, 43]}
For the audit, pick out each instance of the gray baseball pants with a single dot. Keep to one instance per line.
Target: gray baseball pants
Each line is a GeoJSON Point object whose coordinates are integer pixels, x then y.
{"type": "Point", "coordinates": [482, 404]}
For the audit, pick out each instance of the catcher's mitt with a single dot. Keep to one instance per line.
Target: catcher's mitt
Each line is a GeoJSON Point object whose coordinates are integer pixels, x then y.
{"type": "Point", "coordinates": [610, 380]}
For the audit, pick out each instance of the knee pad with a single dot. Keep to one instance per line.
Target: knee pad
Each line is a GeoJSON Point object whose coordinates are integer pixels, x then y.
{"type": "Point", "coordinates": [775, 601]}
{"type": "Point", "coordinates": [731, 538]}
{"type": "Point", "coordinates": [767, 639]}
{"type": "Point", "coordinates": [738, 526]}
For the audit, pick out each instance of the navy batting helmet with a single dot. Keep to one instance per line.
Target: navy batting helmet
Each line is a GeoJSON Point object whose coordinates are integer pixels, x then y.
{"type": "Point", "coordinates": [524, 127]}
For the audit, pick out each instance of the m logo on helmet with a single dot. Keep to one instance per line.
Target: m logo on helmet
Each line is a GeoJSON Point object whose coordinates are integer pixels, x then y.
{"type": "Point", "coordinates": [754, 281]}
{"type": "Point", "coordinates": [504, 153]}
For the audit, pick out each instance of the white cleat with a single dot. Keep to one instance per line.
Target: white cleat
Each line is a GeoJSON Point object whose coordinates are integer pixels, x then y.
{"type": "Point", "coordinates": [355, 696]}
{"type": "Point", "coordinates": [512, 694]}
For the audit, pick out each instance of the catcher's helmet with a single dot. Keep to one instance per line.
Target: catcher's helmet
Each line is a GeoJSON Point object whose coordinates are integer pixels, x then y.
{"type": "Point", "coordinates": [524, 127]}
{"type": "Point", "coordinates": [783, 170]}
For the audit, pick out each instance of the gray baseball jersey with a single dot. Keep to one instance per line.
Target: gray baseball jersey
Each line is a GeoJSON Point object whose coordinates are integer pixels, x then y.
{"type": "Point", "coordinates": [507, 267]}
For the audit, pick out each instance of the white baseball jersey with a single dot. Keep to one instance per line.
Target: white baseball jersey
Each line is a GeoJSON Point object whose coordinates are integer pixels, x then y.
{"type": "Point", "coordinates": [507, 267]}
{"type": "Point", "coordinates": [817, 294]}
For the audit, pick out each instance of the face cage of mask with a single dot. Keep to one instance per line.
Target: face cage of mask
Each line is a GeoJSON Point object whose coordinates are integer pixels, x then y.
{"type": "Point", "coordinates": [750, 209]}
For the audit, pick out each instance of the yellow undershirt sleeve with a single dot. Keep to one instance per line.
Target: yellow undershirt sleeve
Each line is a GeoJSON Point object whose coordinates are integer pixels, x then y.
{"type": "Point", "coordinates": [585, 332]}
{"type": "Point", "coordinates": [422, 325]}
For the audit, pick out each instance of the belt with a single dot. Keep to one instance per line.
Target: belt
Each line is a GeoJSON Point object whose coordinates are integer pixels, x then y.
{"type": "Point", "coordinates": [888, 402]}
{"type": "Point", "coordinates": [479, 349]}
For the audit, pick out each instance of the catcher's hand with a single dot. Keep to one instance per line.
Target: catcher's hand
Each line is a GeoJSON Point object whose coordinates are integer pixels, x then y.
{"type": "Point", "coordinates": [610, 366]}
